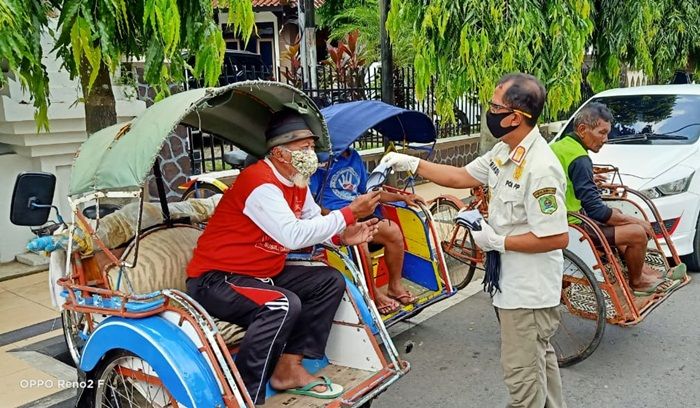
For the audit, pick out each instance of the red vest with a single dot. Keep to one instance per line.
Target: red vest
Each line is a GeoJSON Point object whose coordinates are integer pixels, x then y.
{"type": "Point", "coordinates": [232, 242]}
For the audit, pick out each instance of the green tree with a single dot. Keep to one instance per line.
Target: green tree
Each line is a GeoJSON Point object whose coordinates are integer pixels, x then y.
{"type": "Point", "coordinates": [653, 36]}
{"type": "Point", "coordinates": [344, 17]}
{"type": "Point", "coordinates": [94, 37]}
{"type": "Point", "coordinates": [20, 50]}
{"type": "Point", "coordinates": [466, 45]}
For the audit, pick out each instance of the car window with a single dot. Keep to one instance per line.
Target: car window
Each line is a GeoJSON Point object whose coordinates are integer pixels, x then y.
{"type": "Point", "coordinates": [652, 119]}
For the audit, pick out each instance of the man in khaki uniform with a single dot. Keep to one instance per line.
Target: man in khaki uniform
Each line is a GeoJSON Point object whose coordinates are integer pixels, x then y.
{"type": "Point", "coordinates": [527, 225]}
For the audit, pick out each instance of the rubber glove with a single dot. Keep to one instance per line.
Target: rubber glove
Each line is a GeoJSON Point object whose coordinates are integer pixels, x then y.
{"type": "Point", "coordinates": [401, 162]}
{"type": "Point", "coordinates": [488, 240]}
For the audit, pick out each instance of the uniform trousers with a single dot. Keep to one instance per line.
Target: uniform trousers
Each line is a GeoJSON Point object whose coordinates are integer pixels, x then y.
{"type": "Point", "coordinates": [529, 363]}
{"type": "Point", "coordinates": [291, 313]}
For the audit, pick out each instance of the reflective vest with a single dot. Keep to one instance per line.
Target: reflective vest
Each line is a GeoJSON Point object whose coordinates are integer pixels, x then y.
{"type": "Point", "coordinates": [567, 150]}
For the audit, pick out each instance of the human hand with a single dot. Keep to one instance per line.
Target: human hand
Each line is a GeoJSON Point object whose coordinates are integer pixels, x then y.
{"type": "Point", "coordinates": [412, 200]}
{"type": "Point", "coordinates": [360, 232]}
{"type": "Point", "coordinates": [364, 205]}
{"type": "Point", "coordinates": [600, 178]}
{"type": "Point", "coordinates": [647, 227]}
{"type": "Point", "coordinates": [401, 162]}
{"type": "Point", "coordinates": [488, 240]}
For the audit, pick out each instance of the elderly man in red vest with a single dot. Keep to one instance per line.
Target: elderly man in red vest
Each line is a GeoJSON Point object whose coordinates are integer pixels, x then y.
{"type": "Point", "coordinates": [238, 271]}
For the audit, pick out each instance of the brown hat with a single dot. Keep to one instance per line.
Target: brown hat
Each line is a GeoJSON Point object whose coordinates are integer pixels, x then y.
{"type": "Point", "coordinates": [284, 127]}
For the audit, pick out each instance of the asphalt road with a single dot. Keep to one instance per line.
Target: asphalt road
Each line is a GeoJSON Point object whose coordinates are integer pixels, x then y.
{"type": "Point", "coordinates": [455, 360]}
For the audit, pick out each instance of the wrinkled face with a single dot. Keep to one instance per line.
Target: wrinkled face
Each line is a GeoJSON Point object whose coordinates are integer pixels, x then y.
{"type": "Point", "coordinates": [594, 137]}
{"type": "Point", "coordinates": [297, 160]}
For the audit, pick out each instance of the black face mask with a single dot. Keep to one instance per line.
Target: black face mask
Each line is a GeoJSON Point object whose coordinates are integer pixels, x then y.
{"type": "Point", "coordinates": [493, 122]}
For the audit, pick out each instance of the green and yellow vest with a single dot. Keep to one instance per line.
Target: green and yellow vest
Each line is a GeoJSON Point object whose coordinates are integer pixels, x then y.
{"type": "Point", "coordinates": [568, 149]}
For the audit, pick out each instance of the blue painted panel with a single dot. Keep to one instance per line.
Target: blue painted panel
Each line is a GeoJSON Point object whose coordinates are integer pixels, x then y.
{"type": "Point", "coordinates": [179, 364]}
{"type": "Point", "coordinates": [365, 315]}
{"type": "Point", "coordinates": [420, 271]}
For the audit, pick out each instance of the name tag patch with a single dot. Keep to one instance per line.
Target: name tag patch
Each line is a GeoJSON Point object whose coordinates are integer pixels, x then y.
{"type": "Point", "coordinates": [544, 191]}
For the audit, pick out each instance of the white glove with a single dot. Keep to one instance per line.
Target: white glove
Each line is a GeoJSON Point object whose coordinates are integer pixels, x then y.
{"type": "Point", "coordinates": [401, 162]}
{"type": "Point", "coordinates": [488, 240]}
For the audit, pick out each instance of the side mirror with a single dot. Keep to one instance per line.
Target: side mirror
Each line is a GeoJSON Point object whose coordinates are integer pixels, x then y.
{"type": "Point", "coordinates": [32, 198]}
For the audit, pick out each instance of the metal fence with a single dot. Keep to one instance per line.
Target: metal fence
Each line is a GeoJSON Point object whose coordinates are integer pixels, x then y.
{"type": "Point", "coordinates": [206, 151]}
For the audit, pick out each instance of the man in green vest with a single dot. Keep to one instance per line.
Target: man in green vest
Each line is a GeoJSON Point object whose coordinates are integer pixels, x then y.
{"type": "Point", "coordinates": [630, 234]}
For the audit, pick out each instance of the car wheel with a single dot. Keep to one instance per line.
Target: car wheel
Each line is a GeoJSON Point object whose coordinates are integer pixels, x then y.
{"type": "Point", "coordinates": [692, 261]}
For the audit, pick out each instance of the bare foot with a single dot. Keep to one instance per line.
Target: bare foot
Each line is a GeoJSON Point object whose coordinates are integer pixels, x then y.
{"type": "Point", "coordinates": [401, 294]}
{"type": "Point", "coordinates": [385, 304]}
{"type": "Point", "coordinates": [645, 284]}
{"type": "Point", "coordinates": [289, 373]}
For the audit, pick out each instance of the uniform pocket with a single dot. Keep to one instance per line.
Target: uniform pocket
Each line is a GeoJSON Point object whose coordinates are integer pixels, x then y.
{"type": "Point", "coordinates": [514, 205]}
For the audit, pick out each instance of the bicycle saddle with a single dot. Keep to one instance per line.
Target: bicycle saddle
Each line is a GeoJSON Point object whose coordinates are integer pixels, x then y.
{"type": "Point", "coordinates": [235, 158]}
{"type": "Point", "coordinates": [105, 209]}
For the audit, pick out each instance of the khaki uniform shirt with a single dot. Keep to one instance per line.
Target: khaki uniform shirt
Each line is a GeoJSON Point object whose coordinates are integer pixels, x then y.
{"type": "Point", "coordinates": [526, 194]}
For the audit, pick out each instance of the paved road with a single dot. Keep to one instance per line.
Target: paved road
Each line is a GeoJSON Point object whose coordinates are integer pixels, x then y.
{"type": "Point", "coordinates": [654, 364]}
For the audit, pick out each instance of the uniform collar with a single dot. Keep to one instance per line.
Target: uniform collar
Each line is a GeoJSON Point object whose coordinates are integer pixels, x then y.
{"type": "Point", "coordinates": [518, 154]}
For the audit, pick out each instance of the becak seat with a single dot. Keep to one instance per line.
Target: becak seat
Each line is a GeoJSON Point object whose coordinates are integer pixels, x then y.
{"type": "Point", "coordinates": [163, 255]}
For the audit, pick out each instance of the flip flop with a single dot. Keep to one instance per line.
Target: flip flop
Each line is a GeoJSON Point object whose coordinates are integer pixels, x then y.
{"type": "Point", "coordinates": [388, 309]}
{"type": "Point", "coordinates": [667, 285]}
{"type": "Point", "coordinates": [332, 390]}
{"type": "Point", "coordinates": [661, 286]}
{"type": "Point", "coordinates": [678, 272]}
{"type": "Point", "coordinates": [650, 291]}
{"type": "Point", "coordinates": [406, 295]}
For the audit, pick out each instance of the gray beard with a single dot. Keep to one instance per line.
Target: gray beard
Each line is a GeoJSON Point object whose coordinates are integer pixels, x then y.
{"type": "Point", "coordinates": [300, 180]}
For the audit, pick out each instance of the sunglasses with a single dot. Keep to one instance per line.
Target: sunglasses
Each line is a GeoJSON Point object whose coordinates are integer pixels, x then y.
{"type": "Point", "coordinates": [494, 108]}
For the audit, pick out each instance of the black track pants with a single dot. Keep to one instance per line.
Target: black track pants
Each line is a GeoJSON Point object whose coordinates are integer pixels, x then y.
{"type": "Point", "coordinates": [291, 313]}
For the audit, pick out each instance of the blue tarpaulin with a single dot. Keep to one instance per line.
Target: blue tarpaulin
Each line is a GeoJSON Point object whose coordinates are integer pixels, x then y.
{"type": "Point", "coordinates": [348, 121]}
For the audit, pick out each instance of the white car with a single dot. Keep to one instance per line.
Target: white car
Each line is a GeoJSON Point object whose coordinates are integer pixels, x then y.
{"type": "Point", "coordinates": [655, 143]}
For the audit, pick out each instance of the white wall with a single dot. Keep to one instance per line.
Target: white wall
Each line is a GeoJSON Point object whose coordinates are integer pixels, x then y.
{"type": "Point", "coordinates": [23, 149]}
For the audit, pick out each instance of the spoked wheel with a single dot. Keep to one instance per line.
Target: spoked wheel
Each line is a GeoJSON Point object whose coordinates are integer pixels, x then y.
{"type": "Point", "coordinates": [126, 380]}
{"type": "Point", "coordinates": [201, 190]}
{"type": "Point", "coordinates": [582, 310]}
{"type": "Point", "coordinates": [74, 324]}
{"type": "Point", "coordinates": [460, 263]}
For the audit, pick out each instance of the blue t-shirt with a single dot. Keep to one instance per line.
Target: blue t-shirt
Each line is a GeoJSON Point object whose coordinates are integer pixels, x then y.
{"type": "Point", "coordinates": [346, 179]}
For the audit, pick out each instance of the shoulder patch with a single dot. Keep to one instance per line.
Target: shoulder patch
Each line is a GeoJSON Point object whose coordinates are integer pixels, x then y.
{"type": "Point", "coordinates": [544, 191]}
{"type": "Point", "coordinates": [548, 204]}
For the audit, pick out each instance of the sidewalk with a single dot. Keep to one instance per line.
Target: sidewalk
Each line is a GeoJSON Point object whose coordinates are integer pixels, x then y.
{"type": "Point", "coordinates": [27, 319]}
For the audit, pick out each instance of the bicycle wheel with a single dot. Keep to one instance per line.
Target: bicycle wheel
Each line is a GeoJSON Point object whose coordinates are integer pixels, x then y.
{"type": "Point", "coordinates": [582, 310]}
{"type": "Point", "coordinates": [74, 324]}
{"type": "Point", "coordinates": [126, 380]}
{"type": "Point", "coordinates": [461, 271]}
{"type": "Point", "coordinates": [201, 190]}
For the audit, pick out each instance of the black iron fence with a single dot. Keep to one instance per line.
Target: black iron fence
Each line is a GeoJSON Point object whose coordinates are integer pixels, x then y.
{"type": "Point", "coordinates": [335, 86]}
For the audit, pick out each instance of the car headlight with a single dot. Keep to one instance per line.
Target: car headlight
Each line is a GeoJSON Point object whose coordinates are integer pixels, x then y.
{"type": "Point", "coordinates": [667, 189]}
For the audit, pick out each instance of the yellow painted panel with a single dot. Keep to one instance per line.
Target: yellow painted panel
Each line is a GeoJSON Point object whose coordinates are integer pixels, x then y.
{"type": "Point", "coordinates": [414, 233]}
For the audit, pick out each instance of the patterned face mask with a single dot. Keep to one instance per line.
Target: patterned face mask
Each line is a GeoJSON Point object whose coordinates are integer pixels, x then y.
{"type": "Point", "coordinates": [304, 161]}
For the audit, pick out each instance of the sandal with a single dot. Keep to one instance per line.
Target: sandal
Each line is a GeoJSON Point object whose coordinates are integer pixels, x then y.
{"type": "Point", "coordinates": [388, 308]}
{"type": "Point", "coordinates": [678, 272]}
{"type": "Point", "coordinates": [650, 290]}
{"type": "Point", "coordinates": [405, 298]}
{"type": "Point", "coordinates": [332, 390]}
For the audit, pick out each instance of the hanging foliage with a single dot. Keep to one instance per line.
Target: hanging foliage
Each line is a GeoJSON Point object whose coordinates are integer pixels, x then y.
{"type": "Point", "coordinates": [653, 36]}
{"type": "Point", "coordinates": [21, 23]}
{"type": "Point", "coordinates": [168, 34]}
{"type": "Point", "coordinates": [97, 35]}
{"type": "Point", "coordinates": [466, 45]}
